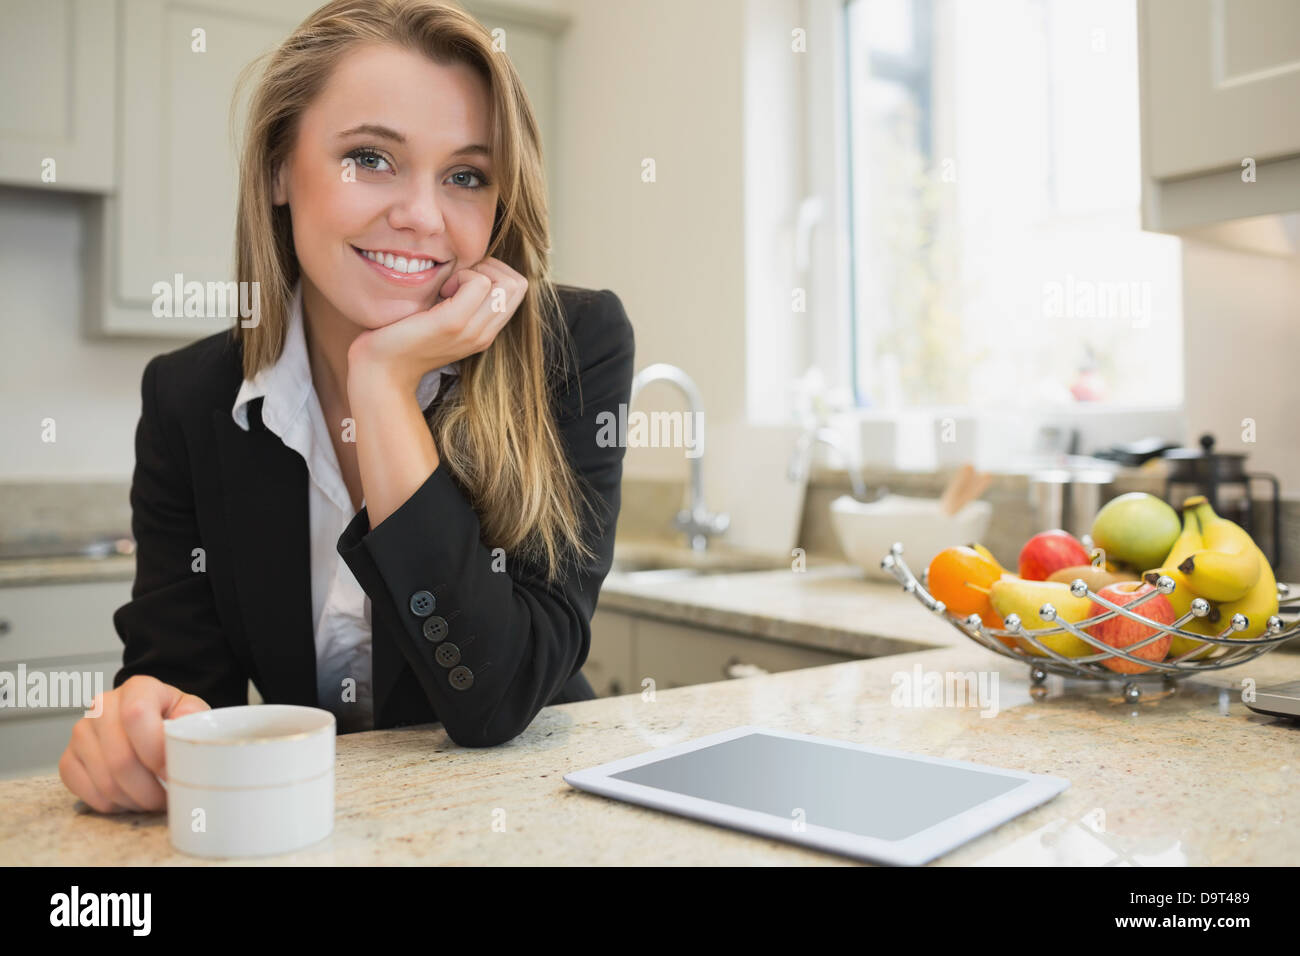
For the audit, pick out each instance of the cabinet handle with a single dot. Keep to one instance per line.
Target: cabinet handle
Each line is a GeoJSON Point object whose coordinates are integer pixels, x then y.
{"type": "Point", "coordinates": [5, 627]}
{"type": "Point", "coordinates": [736, 668]}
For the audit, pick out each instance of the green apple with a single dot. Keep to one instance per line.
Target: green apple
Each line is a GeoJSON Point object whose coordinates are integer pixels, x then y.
{"type": "Point", "coordinates": [1137, 529]}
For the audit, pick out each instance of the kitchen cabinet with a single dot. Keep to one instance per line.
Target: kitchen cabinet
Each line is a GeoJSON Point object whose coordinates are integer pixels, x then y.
{"type": "Point", "coordinates": [1220, 80]}
{"type": "Point", "coordinates": [627, 648]}
{"type": "Point", "coordinates": [171, 210]}
{"type": "Point", "coordinates": [64, 629]}
{"type": "Point", "coordinates": [57, 62]}
{"type": "Point", "coordinates": [609, 666]}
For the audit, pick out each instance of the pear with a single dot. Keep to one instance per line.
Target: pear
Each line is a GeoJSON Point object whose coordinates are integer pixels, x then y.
{"type": "Point", "coordinates": [1013, 595]}
{"type": "Point", "coordinates": [1096, 578]}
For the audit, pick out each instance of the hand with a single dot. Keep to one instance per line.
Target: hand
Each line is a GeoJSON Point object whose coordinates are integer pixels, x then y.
{"type": "Point", "coordinates": [465, 321]}
{"type": "Point", "coordinates": [111, 760]}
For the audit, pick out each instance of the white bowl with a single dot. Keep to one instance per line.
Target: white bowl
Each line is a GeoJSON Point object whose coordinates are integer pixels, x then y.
{"type": "Point", "coordinates": [868, 530]}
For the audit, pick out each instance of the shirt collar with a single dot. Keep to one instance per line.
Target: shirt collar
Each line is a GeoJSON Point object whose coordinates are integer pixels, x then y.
{"type": "Point", "coordinates": [285, 386]}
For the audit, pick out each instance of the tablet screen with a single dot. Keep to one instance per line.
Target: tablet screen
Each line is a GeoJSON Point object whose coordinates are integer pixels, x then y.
{"type": "Point", "coordinates": [873, 795]}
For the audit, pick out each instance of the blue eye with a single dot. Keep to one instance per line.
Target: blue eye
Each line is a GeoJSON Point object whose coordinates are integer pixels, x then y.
{"type": "Point", "coordinates": [363, 156]}
{"type": "Point", "coordinates": [475, 174]}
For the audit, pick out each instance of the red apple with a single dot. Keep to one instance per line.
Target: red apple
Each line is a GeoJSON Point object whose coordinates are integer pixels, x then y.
{"type": "Point", "coordinates": [1121, 632]}
{"type": "Point", "coordinates": [1050, 551]}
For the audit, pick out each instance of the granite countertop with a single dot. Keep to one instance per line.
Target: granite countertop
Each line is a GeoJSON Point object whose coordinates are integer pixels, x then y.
{"type": "Point", "coordinates": [16, 572]}
{"type": "Point", "coordinates": [1149, 782]}
{"type": "Point", "coordinates": [832, 607]}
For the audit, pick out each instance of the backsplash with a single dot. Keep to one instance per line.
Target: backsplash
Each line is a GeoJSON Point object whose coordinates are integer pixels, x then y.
{"type": "Point", "coordinates": [33, 511]}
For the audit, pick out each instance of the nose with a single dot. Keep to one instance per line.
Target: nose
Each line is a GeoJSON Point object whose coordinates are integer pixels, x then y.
{"type": "Point", "coordinates": [416, 208]}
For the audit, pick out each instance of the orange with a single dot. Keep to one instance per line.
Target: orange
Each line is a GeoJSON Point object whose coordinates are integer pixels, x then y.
{"type": "Point", "coordinates": [960, 577]}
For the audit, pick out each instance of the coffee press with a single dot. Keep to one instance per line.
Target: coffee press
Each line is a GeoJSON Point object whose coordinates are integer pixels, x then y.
{"type": "Point", "coordinates": [1223, 479]}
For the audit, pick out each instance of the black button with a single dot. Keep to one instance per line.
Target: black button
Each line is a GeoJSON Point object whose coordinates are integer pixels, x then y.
{"type": "Point", "coordinates": [448, 654]}
{"type": "Point", "coordinates": [462, 678]}
{"type": "Point", "coordinates": [435, 628]}
{"type": "Point", "coordinates": [422, 603]}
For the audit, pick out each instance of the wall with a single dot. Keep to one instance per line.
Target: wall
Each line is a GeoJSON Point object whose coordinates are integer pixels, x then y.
{"type": "Point", "coordinates": [48, 369]}
{"type": "Point", "coordinates": [1241, 314]}
{"type": "Point", "coordinates": [658, 80]}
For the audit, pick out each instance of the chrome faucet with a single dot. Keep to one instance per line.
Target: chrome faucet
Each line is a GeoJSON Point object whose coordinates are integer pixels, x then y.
{"type": "Point", "coordinates": [698, 522]}
{"type": "Point", "coordinates": [801, 458]}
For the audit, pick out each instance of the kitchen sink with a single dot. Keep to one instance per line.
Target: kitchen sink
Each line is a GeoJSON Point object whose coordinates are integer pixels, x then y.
{"type": "Point", "coordinates": [672, 566]}
{"type": "Point", "coordinates": [672, 574]}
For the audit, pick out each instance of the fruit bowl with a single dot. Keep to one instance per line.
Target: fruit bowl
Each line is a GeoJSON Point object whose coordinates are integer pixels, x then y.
{"type": "Point", "coordinates": [1011, 640]}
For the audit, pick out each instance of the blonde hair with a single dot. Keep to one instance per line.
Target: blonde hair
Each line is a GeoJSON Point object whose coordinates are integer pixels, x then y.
{"type": "Point", "coordinates": [495, 431]}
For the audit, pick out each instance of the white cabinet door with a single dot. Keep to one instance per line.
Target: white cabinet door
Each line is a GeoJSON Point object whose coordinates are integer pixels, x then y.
{"type": "Point", "coordinates": [60, 620]}
{"type": "Point", "coordinates": [33, 745]}
{"type": "Point", "coordinates": [65, 633]}
{"type": "Point", "coordinates": [174, 208]}
{"type": "Point", "coordinates": [57, 61]}
{"type": "Point", "coordinates": [674, 655]}
{"type": "Point", "coordinates": [1220, 83]}
{"type": "Point", "coordinates": [609, 661]}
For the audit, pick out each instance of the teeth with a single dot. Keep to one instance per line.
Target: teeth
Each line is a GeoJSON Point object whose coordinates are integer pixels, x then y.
{"type": "Point", "coordinates": [399, 263]}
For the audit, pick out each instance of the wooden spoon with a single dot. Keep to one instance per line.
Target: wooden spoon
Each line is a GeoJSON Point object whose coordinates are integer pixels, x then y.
{"type": "Point", "coordinates": [948, 501]}
{"type": "Point", "coordinates": [965, 487]}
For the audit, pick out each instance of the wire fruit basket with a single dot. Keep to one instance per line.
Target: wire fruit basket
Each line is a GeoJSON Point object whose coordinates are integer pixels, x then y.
{"type": "Point", "coordinates": [1227, 652]}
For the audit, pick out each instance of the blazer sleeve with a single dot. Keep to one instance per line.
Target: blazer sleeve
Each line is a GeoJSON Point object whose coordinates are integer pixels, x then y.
{"type": "Point", "coordinates": [170, 629]}
{"type": "Point", "coordinates": [509, 643]}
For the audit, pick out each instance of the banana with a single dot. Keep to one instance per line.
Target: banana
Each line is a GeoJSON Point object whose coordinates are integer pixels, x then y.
{"type": "Point", "coordinates": [1259, 604]}
{"type": "Point", "coordinates": [1189, 542]}
{"type": "Point", "coordinates": [1228, 566]}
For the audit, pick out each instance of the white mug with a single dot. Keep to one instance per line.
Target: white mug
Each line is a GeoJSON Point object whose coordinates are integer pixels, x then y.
{"type": "Point", "coordinates": [250, 781]}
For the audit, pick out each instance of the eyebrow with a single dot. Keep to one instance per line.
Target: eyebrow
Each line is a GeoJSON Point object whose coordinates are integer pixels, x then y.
{"type": "Point", "coordinates": [377, 129]}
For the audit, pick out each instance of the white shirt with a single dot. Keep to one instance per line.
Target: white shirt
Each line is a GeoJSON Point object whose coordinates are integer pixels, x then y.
{"type": "Point", "coordinates": [340, 608]}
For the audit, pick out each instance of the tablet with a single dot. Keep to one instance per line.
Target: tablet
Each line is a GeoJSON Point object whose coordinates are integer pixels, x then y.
{"type": "Point", "coordinates": [884, 806]}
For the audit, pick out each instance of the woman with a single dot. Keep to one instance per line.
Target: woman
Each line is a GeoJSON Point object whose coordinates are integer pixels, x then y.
{"type": "Point", "coordinates": [389, 496]}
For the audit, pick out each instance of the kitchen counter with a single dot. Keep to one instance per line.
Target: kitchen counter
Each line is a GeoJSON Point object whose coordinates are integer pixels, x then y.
{"type": "Point", "coordinates": [830, 605]}
{"type": "Point", "coordinates": [66, 570]}
{"type": "Point", "coordinates": [1190, 778]}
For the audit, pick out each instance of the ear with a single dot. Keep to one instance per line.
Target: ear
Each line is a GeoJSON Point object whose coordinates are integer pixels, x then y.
{"type": "Point", "coordinates": [279, 187]}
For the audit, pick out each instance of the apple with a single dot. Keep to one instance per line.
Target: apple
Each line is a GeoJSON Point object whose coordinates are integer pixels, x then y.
{"type": "Point", "coordinates": [1122, 632]}
{"type": "Point", "coordinates": [1136, 529]}
{"type": "Point", "coordinates": [1050, 551]}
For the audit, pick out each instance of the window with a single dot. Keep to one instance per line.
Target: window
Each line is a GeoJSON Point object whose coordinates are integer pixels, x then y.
{"type": "Point", "coordinates": [994, 183]}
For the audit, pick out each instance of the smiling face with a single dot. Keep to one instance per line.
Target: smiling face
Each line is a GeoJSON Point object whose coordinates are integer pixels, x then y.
{"type": "Point", "coordinates": [384, 166]}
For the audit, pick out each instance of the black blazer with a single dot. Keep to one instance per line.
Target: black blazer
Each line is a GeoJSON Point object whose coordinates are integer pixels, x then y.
{"type": "Point", "coordinates": [452, 639]}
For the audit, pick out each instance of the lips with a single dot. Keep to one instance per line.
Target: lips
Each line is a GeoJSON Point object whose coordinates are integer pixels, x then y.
{"type": "Point", "coordinates": [426, 267]}
{"type": "Point", "coordinates": [401, 260]}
